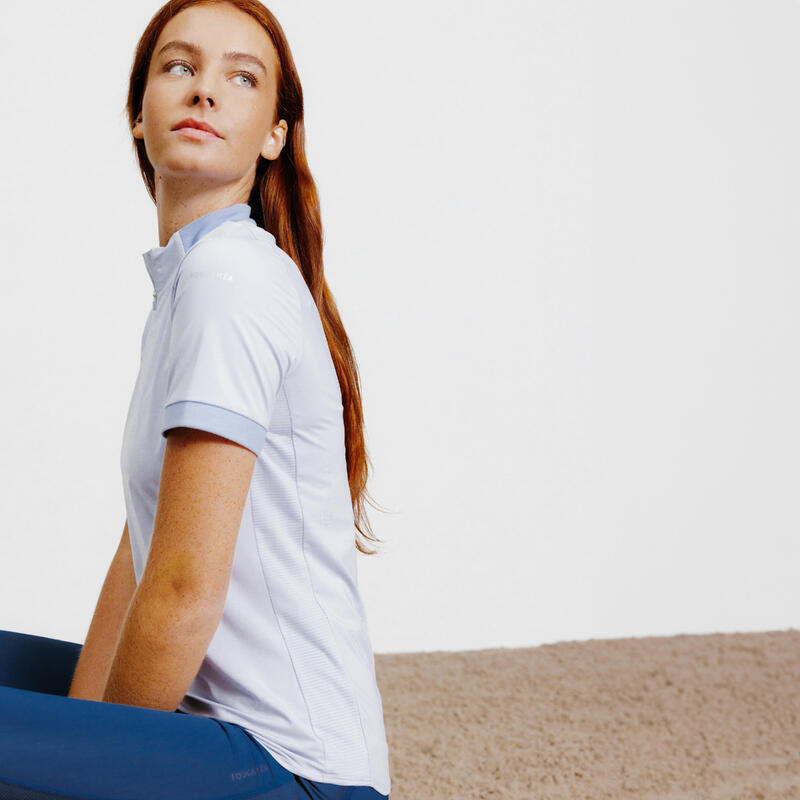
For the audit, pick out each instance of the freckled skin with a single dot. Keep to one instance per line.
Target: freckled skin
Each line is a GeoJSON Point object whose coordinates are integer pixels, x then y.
{"type": "Point", "coordinates": [204, 483]}
{"type": "Point", "coordinates": [178, 605]}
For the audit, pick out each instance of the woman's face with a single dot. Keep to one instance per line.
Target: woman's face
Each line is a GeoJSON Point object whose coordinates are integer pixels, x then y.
{"type": "Point", "coordinates": [233, 94]}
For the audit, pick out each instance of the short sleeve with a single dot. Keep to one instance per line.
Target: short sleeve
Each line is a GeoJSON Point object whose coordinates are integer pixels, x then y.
{"type": "Point", "coordinates": [235, 334]}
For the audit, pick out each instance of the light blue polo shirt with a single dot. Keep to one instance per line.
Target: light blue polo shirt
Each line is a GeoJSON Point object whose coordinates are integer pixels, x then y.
{"type": "Point", "coordinates": [234, 345]}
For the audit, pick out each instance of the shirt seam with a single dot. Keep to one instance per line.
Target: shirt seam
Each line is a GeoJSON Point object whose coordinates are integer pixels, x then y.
{"type": "Point", "coordinates": [316, 599]}
{"type": "Point", "coordinates": [274, 611]}
{"type": "Point", "coordinates": [301, 349]}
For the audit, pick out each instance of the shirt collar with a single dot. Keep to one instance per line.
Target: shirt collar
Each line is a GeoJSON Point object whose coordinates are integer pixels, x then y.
{"type": "Point", "coordinates": [161, 261]}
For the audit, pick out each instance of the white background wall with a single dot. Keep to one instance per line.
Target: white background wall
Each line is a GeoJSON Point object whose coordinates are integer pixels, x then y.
{"type": "Point", "coordinates": [563, 238]}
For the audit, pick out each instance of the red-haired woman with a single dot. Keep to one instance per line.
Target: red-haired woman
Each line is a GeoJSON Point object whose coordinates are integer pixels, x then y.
{"type": "Point", "coordinates": [233, 596]}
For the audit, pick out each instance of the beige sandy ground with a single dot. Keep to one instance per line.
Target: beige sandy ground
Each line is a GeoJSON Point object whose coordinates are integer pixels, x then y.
{"type": "Point", "coordinates": [692, 716]}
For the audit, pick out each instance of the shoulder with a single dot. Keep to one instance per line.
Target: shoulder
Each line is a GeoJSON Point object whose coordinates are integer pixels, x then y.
{"type": "Point", "coordinates": [237, 253]}
{"type": "Point", "coordinates": [234, 276]}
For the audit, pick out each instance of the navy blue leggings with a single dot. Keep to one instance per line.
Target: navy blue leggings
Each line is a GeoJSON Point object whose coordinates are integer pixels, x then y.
{"type": "Point", "coordinates": [54, 747]}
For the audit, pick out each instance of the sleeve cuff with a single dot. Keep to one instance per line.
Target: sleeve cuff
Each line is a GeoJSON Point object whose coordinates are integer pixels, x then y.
{"type": "Point", "coordinates": [214, 419]}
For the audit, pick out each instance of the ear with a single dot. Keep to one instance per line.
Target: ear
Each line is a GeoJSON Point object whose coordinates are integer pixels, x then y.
{"type": "Point", "coordinates": [275, 141]}
{"type": "Point", "coordinates": [137, 129]}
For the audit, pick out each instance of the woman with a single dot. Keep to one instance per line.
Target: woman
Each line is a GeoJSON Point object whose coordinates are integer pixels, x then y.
{"type": "Point", "coordinates": [233, 596]}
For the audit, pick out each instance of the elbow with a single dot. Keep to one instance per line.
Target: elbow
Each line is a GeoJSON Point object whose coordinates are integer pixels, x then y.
{"type": "Point", "coordinates": [179, 600]}
{"type": "Point", "coordinates": [181, 589]}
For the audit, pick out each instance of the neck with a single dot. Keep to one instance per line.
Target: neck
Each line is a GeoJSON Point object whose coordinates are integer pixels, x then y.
{"type": "Point", "coordinates": [178, 204]}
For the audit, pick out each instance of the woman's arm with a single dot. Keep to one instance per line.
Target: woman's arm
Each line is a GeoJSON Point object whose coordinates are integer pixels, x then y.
{"type": "Point", "coordinates": [91, 672]}
{"type": "Point", "coordinates": [178, 605]}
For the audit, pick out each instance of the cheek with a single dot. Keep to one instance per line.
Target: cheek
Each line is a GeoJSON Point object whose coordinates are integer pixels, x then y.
{"type": "Point", "coordinates": [251, 128]}
{"type": "Point", "coordinates": [157, 94]}
{"type": "Point", "coordinates": [150, 100]}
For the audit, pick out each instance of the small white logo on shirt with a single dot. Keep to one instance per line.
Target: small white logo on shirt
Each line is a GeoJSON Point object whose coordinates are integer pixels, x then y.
{"type": "Point", "coordinates": [223, 276]}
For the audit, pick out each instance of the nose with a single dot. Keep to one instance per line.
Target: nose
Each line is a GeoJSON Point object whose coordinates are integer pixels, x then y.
{"type": "Point", "coordinates": [203, 90]}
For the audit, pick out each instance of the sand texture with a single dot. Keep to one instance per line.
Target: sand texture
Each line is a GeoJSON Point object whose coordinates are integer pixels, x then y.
{"type": "Point", "coordinates": [681, 717]}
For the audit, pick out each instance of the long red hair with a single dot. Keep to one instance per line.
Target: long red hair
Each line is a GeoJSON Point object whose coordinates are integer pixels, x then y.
{"type": "Point", "coordinates": [285, 202]}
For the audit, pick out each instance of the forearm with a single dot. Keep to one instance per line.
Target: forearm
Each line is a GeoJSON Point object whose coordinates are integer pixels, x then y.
{"type": "Point", "coordinates": [161, 647]}
{"type": "Point", "coordinates": [97, 653]}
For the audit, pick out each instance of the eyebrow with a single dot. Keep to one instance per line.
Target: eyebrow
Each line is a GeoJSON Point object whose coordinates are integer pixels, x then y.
{"type": "Point", "coordinates": [228, 55]}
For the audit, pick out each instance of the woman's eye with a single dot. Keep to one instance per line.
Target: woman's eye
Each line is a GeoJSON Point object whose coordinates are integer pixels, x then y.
{"type": "Point", "coordinates": [173, 64]}
{"type": "Point", "coordinates": [249, 76]}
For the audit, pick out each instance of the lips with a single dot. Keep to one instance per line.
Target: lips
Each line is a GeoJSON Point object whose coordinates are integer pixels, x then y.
{"type": "Point", "coordinates": [197, 124]}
